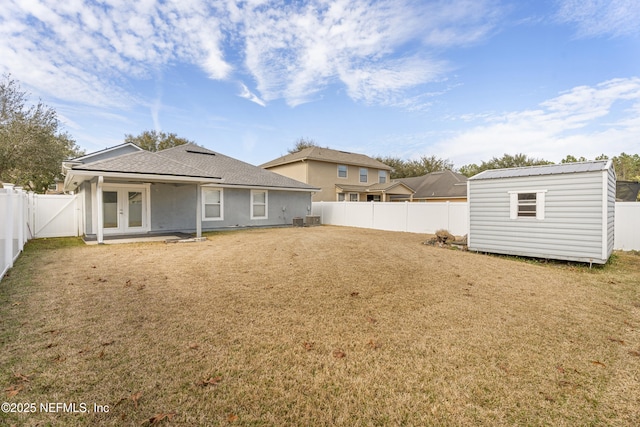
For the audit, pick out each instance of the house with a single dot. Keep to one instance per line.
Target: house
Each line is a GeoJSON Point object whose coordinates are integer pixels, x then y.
{"type": "Point", "coordinates": [188, 188]}
{"type": "Point", "coordinates": [441, 186]}
{"type": "Point", "coordinates": [563, 211]}
{"type": "Point", "coordinates": [627, 191]}
{"type": "Point", "coordinates": [340, 175]}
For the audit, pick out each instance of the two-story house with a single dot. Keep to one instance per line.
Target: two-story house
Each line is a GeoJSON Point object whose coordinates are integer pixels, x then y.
{"type": "Point", "coordinates": [340, 175]}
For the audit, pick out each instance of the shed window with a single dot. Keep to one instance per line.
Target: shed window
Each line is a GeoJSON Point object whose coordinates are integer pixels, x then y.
{"type": "Point", "coordinates": [342, 171]}
{"type": "Point", "coordinates": [527, 204]}
{"type": "Point", "coordinates": [212, 204]}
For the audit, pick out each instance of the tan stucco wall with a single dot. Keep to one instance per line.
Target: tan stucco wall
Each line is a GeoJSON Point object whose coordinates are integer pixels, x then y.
{"type": "Point", "coordinates": [324, 175]}
{"type": "Point", "coordinates": [297, 171]}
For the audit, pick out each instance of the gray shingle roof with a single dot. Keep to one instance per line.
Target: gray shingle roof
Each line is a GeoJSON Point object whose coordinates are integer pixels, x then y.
{"type": "Point", "coordinates": [592, 166]}
{"type": "Point", "coordinates": [440, 184]}
{"type": "Point", "coordinates": [190, 160]}
{"type": "Point", "coordinates": [328, 155]}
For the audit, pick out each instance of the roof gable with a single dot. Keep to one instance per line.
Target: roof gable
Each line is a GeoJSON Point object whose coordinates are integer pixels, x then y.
{"type": "Point", "coordinates": [327, 155]}
{"type": "Point", "coordinates": [106, 153]}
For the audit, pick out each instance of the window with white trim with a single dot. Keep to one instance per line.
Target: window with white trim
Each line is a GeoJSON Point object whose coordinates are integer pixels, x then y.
{"type": "Point", "coordinates": [364, 175]}
{"type": "Point", "coordinates": [259, 204]}
{"type": "Point", "coordinates": [341, 197]}
{"type": "Point", "coordinates": [212, 207]}
{"type": "Point", "coordinates": [527, 204]}
{"type": "Point", "coordinates": [342, 171]}
{"type": "Point", "coordinates": [382, 177]}
{"type": "Point", "coordinates": [353, 197]}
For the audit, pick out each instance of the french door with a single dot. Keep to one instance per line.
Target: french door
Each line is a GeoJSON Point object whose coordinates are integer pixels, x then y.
{"type": "Point", "coordinates": [124, 209]}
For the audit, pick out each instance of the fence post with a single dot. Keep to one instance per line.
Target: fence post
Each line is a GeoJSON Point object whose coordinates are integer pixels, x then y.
{"type": "Point", "coordinates": [406, 216]}
{"type": "Point", "coordinates": [8, 227]}
{"type": "Point", "coordinates": [20, 217]}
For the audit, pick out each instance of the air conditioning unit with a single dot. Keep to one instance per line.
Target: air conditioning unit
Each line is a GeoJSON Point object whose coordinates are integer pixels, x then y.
{"type": "Point", "coordinates": [298, 222]}
{"type": "Point", "coordinates": [312, 220]}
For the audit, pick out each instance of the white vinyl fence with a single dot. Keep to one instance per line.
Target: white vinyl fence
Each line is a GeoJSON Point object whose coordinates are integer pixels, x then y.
{"type": "Point", "coordinates": [24, 216]}
{"type": "Point", "coordinates": [452, 216]}
{"type": "Point", "coordinates": [13, 225]}
{"type": "Point", "coordinates": [396, 216]}
{"type": "Point", "coordinates": [627, 226]}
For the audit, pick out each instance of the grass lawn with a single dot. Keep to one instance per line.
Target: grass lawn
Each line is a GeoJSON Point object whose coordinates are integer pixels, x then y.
{"type": "Point", "coordinates": [316, 326]}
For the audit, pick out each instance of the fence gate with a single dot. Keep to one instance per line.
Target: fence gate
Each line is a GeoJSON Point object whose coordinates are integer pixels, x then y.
{"type": "Point", "coordinates": [54, 215]}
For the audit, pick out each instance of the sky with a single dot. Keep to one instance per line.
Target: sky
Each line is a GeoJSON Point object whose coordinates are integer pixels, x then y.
{"type": "Point", "coordinates": [463, 80]}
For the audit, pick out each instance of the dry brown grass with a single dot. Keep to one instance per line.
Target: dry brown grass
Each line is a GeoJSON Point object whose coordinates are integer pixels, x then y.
{"type": "Point", "coordinates": [319, 326]}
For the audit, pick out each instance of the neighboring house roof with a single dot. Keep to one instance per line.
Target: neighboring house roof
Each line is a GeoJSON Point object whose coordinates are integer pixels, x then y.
{"type": "Point", "coordinates": [564, 168]}
{"type": "Point", "coordinates": [327, 155]}
{"type": "Point", "coordinates": [383, 188]}
{"type": "Point", "coordinates": [125, 148]}
{"type": "Point", "coordinates": [189, 161]}
{"type": "Point", "coordinates": [441, 184]}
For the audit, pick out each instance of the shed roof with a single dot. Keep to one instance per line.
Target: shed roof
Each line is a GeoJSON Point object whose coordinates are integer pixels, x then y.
{"type": "Point", "coordinates": [563, 168]}
{"type": "Point", "coordinates": [327, 155]}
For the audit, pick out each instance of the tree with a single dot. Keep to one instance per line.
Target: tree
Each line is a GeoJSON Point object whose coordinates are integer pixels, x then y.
{"type": "Point", "coordinates": [411, 168]}
{"type": "Point", "coordinates": [573, 159]}
{"type": "Point", "coordinates": [301, 144]}
{"type": "Point", "coordinates": [627, 167]}
{"type": "Point", "coordinates": [152, 140]}
{"type": "Point", "coordinates": [32, 145]}
{"type": "Point", "coordinates": [506, 161]}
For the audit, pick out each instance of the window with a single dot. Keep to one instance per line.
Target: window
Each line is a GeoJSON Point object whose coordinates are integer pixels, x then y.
{"type": "Point", "coordinates": [341, 197]}
{"type": "Point", "coordinates": [353, 197]}
{"type": "Point", "coordinates": [259, 204]}
{"type": "Point", "coordinates": [527, 204]}
{"type": "Point", "coordinates": [342, 171]}
{"type": "Point", "coordinates": [373, 197]}
{"type": "Point", "coordinates": [382, 177]}
{"type": "Point", "coordinates": [212, 204]}
{"type": "Point", "coordinates": [364, 174]}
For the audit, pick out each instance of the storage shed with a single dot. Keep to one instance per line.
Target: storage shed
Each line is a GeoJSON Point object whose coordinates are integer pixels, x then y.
{"type": "Point", "coordinates": [563, 211]}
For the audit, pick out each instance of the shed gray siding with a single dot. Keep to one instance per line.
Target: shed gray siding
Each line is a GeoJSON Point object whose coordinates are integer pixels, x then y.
{"type": "Point", "coordinates": [578, 216]}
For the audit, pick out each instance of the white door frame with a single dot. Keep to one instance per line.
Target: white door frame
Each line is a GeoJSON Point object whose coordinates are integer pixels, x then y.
{"type": "Point", "coordinates": [123, 208]}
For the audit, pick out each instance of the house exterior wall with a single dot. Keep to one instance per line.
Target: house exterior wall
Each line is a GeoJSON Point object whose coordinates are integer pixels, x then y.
{"type": "Point", "coordinates": [296, 170]}
{"type": "Point", "coordinates": [577, 223]}
{"type": "Point", "coordinates": [173, 208]}
{"type": "Point", "coordinates": [325, 176]}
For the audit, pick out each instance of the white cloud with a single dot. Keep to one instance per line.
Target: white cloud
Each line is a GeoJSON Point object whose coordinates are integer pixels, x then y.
{"type": "Point", "coordinates": [575, 122]}
{"type": "Point", "coordinates": [247, 94]}
{"type": "Point", "coordinates": [294, 52]}
{"type": "Point", "coordinates": [593, 18]}
{"type": "Point", "coordinates": [86, 51]}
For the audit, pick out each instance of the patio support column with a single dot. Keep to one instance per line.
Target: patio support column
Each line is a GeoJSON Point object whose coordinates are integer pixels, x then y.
{"type": "Point", "coordinates": [198, 210]}
{"type": "Point", "coordinates": [100, 209]}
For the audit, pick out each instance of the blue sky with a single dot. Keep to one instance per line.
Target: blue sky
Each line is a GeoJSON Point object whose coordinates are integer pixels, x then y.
{"type": "Point", "coordinates": [464, 80]}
